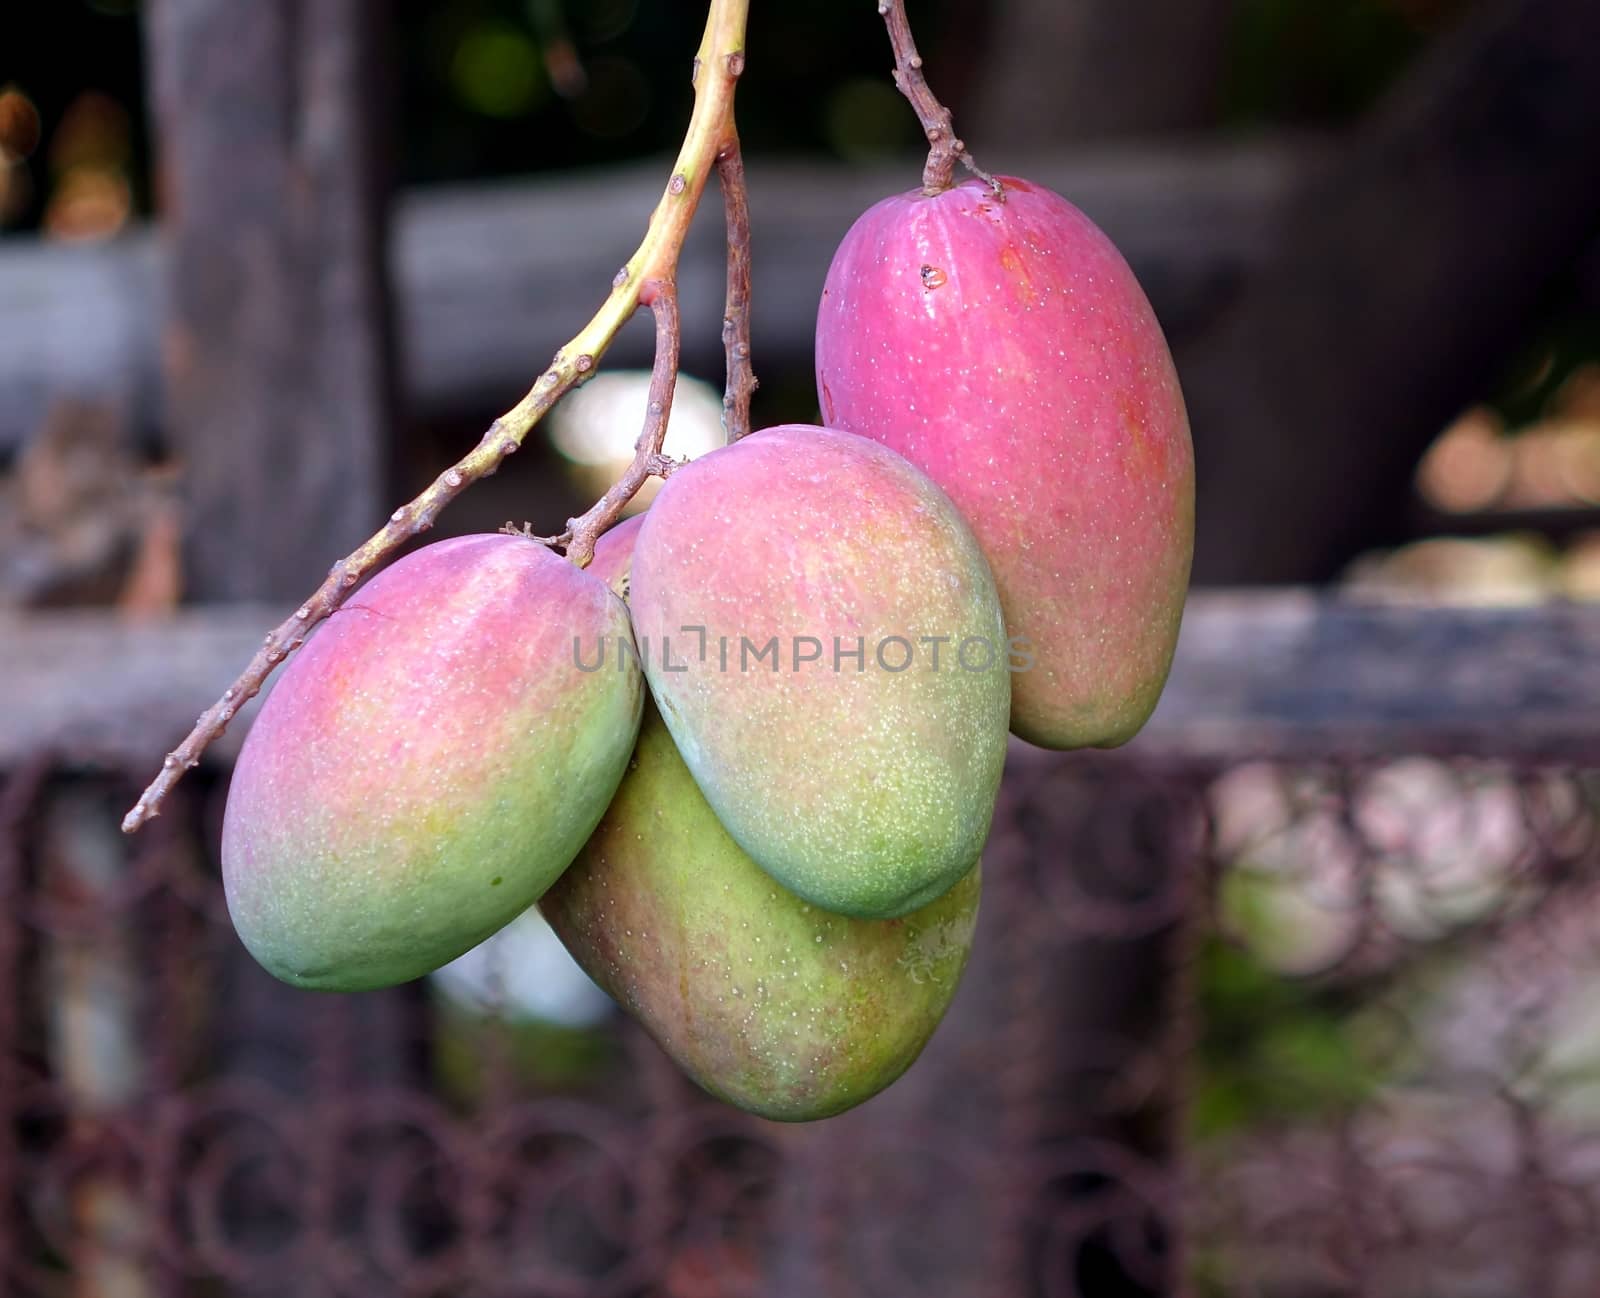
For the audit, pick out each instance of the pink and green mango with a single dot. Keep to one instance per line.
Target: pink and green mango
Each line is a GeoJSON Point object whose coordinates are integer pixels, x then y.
{"type": "Point", "coordinates": [1007, 350]}
{"type": "Point", "coordinates": [823, 638]}
{"type": "Point", "coordinates": [766, 1001]}
{"type": "Point", "coordinates": [429, 763]}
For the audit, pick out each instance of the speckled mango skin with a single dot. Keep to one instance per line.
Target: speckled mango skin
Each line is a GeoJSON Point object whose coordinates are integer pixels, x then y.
{"type": "Point", "coordinates": [1008, 351]}
{"type": "Point", "coordinates": [766, 1001]}
{"type": "Point", "coordinates": [430, 761]}
{"type": "Point", "coordinates": [868, 792]}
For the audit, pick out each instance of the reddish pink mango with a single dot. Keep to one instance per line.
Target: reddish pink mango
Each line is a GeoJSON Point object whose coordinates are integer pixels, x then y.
{"type": "Point", "coordinates": [428, 764]}
{"type": "Point", "coordinates": [1006, 349]}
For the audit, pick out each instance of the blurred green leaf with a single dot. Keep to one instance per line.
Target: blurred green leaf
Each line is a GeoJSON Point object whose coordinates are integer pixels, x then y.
{"type": "Point", "coordinates": [1275, 1048]}
{"type": "Point", "coordinates": [496, 70]}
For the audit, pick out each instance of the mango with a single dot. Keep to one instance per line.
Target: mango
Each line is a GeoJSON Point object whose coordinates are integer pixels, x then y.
{"type": "Point", "coordinates": [1006, 348]}
{"type": "Point", "coordinates": [823, 639]}
{"type": "Point", "coordinates": [767, 1002]}
{"type": "Point", "coordinates": [428, 764]}
{"type": "Point", "coordinates": [613, 557]}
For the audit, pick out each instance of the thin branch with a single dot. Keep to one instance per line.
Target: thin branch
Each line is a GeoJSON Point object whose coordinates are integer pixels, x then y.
{"type": "Point", "coordinates": [741, 378]}
{"type": "Point", "coordinates": [582, 532]}
{"type": "Point", "coordinates": [646, 280]}
{"type": "Point", "coordinates": [944, 148]}
{"type": "Point", "coordinates": [406, 522]}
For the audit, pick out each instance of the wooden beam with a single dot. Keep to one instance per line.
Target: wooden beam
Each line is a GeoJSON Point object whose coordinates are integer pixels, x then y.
{"type": "Point", "coordinates": [1289, 674]}
{"type": "Point", "coordinates": [490, 279]}
{"type": "Point", "coordinates": [1096, 68]}
{"type": "Point", "coordinates": [275, 351]}
{"type": "Point", "coordinates": [1294, 674]}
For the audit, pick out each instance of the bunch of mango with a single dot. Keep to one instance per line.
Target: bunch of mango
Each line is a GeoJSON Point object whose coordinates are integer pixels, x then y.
{"type": "Point", "coordinates": [746, 761]}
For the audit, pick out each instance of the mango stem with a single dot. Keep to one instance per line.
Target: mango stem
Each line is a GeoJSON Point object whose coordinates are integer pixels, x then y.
{"type": "Point", "coordinates": [741, 378]}
{"type": "Point", "coordinates": [938, 124]}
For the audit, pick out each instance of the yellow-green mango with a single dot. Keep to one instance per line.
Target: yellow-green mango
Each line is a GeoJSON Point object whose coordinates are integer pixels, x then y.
{"type": "Point", "coordinates": [823, 638]}
{"type": "Point", "coordinates": [767, 1001]}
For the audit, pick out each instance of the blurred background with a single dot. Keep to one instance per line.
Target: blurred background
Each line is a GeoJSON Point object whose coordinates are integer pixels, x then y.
{"type": "Point", "coordinates": [1368, 227]}
{"type": "Point", "coordinates": [1292, 997]}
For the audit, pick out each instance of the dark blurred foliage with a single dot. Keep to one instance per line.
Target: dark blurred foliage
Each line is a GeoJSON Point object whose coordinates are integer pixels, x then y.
{"type": "Point", "coordinates": [501, 87]}
{"type": "Point", "coordinates": [494, 87]}
{"type": "Point", "coordinates": [1295, 62]}
{"type": "Point", "coordinates": [1534, 381]}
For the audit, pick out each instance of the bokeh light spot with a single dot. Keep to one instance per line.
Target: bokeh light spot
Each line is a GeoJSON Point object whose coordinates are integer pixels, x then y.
{"type": "Point", "coordinates": [595, 427]}
{"type": "Point", "coordinates": [95, 131]}
{"type": "Point", "coordinates": [497, 71]}
{"type": "Point", "coordinates": [88, 203]}
{"type": "Point", "coordinates": [19, 125]}
{"type": "Point", "coordinates": [1469, 466]}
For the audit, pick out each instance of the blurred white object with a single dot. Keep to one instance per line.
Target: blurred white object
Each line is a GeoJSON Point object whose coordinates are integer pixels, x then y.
{"type": "Point", "coordinates": [523, 972]}
{"type": "Point", "coordinates": [596, 426]}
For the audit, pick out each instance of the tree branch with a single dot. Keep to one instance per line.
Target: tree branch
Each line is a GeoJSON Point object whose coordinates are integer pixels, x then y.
{"type": "Point", "coordinates": [944, 148]}
{"type": "Point", "coordinates": [582, 532]}
{"type": "Point", "coordinates": [741, 378]}
{"type": "Point", "coordinates": [647, 279]}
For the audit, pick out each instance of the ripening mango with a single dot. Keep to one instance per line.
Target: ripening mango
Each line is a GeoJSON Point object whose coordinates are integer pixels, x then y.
{"type": "Point", "coordinates": [428, 764]}
{"type": "Point", "coordinates": [1004, 347]}
{"type": "Point", "coordinates": [823, 638]}
{"type": "Point", "coordinates": [767, 1001]}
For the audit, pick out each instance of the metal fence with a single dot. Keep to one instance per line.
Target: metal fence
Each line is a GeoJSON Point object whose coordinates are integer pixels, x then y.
{"type": "Point", "coordinates": [1292, 1025]}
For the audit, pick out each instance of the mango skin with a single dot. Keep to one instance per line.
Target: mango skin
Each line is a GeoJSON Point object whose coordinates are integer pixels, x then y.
{"type": "Point", "coordinates": [1007, 350]}
{"type": "Point", "coordinates": [429, 763]}
{"type": "Point", "coordinates": [613, 557]}
{"type": "Point", "coordinates": [767, 1002]}
{"type": "Point", "coordinates": [868, 792]}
